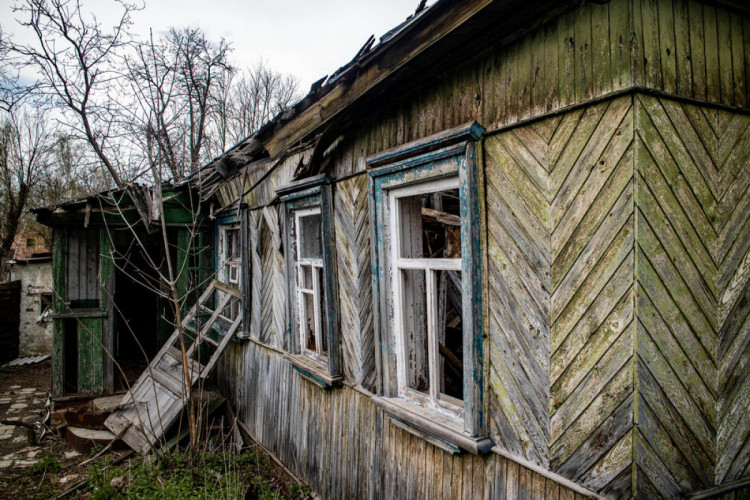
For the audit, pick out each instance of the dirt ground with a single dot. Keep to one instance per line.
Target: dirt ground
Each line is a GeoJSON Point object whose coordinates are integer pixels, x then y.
{"type": "Point", "coordinates": [23, 443]}
{"type": "Point", "coordinates": [35, 463]}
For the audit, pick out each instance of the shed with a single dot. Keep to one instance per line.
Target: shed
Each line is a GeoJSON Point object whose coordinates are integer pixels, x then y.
{"type": "Point", "coordinates": [110, 309]}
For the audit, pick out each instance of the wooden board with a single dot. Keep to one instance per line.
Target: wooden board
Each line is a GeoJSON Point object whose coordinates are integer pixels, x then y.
{"type": "Point", "coordinates": [156, 399]}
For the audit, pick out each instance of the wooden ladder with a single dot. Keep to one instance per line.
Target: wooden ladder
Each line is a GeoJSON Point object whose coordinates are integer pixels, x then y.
{"type": "Point", "coordinates": [160, 393]}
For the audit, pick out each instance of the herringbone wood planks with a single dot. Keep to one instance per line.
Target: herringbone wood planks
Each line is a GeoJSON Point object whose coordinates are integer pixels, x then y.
{"type": "Point", "coordinates": [560, 220]}
{"type": "Point", "coordinates": [620, 235]}
{"type": "Point", "coordinates": [694, 240]}
{"type": "Point", "coordinates": [273, 293]}
{"type": "Point", "coordinates": [355, 280]}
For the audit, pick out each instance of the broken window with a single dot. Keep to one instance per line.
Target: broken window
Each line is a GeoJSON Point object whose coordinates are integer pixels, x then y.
{"type": "Point", "coordinates": [231, 259]}
{"type": "Point", "coordinates": [311, 271]}
{"type": "Point", "coordinates": [232, 256]}
{"type": "Point", "coordinates": [428, 287]}
{"type": "Point", "coordinates": [310, 281]}
{"type": "Point", "coordinates": [426, 237]}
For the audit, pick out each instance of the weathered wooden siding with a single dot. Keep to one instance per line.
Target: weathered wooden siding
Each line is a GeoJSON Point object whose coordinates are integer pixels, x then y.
{"type": "Point", "coordinates": [591, 51]}
{"type": "Point", "coordinates": [560, 242]}
{"type": "Point", "coordinates": [82, 266]}
{"type": "Point", "coordinates": [619, 259]}
{"type": "Point", "coordinates": [694, 244]}
{"type": "Point", "coordinates": [344, 447]}
{"type": "Point", "coordinates": [615, 230]}
{"type": "Point", "coordinates": [352, 229]}
{"type": "Point", "coordinates": [258, 185]}
{"type": "Point", "coordinates": [271, 278]}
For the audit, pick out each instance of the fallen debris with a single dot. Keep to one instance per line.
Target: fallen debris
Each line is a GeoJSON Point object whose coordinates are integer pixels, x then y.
{"type": "Point", "coordinates": [29, 360]}
{"type": "Point", "coordinates": [160, 393]}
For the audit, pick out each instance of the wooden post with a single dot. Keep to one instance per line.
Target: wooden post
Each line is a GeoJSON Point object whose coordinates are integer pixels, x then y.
{"type": "Point", "coordinates": [58, 307]}
{"type": "Point", "coordinates": [106, 304]}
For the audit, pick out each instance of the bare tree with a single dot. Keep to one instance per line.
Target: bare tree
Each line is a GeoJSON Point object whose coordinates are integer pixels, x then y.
{"type": "Point", "coordinates": [75, 57]}
{"type": "Point", "coordinates": [24, 160]}
{"type": "Point", "coordinates": [177, 82]}
{"type": "Point", "coordinates": [258, 95]}
{"type": "Point", "coordinates": [200, 64]}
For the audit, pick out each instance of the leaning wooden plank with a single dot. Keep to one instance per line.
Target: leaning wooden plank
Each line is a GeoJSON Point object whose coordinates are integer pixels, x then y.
{"type": "Point", "coordinates": [160, 393]}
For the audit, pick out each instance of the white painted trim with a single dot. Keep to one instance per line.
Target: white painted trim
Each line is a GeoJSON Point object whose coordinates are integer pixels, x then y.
{"type": "Point", "coordinates": [314, 264]}
{"type": "Point", "coordinates": [430, 267]}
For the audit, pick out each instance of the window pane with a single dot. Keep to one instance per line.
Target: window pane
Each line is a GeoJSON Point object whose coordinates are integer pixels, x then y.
{"type": "Point", "coordinates": [415, 329]}
{"type": "Point", "coordinates": [310, 237]}
{"type": "Point", "coordinates": [323, 312]}
{"type": "Point", "coordinates": [232, 248]}
{"type": "Point", "coordinates": [308, 321]}
{"type": "Point", "coordinates": [450, 333]}
{"type": "Point", "coordinates": [307, 281]}
{"type": "Point", "coordinates": [430, 225]}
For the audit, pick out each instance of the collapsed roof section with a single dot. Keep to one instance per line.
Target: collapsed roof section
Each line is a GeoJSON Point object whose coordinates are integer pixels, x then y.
{"type": "Point", "coordinates": [131, 205]}
{"type": "Point", "coordinates": [450, 31]}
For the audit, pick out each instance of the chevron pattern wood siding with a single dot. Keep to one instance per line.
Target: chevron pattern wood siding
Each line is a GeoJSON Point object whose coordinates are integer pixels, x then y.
{"type": "Point", "coordinates": [676, 338]}
{"type": "Point", "coordinates": [273, 290]}
{"type": "Point", "coordinates": [561, 224]}
{"type": "Point", "coordinates": [694, 337]}
{"type": "Point", "coordinates": [619, 241]}
{"type": "Point", "coordinates": [355, 280]}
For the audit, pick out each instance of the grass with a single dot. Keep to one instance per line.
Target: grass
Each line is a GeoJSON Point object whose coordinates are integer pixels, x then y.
{"type": "Point", "coordinates": [204, 475]}
{"type": "Point", "coordinates": [49, 464]}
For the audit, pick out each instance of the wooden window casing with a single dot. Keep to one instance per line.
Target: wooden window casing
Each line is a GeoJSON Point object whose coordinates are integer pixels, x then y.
{"type": "Point", "coordinates": [423, 289]}
{"type": "Point", "coordinates": [436, 164]}
{"type": "Point", "coordinates": [309, 282]}
{"type": "Point", "coordinates": [230, 263]}
{"type": "Point", "coordinates": [319, 363]}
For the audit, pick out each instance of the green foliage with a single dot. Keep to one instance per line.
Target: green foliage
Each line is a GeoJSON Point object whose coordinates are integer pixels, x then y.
{"type": "Point", "coordinates": [49, 463]}
{"type": "Point", "coordinates": [174, 476]}
{"type": "Point", "coordinates": [299, 491]}
{"type": "Point", "coordinates": [202, 476]}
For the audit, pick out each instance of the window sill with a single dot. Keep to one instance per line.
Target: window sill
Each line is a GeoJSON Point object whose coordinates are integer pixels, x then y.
{"type": "Point", "coordinates": [314, 372]}
{"type": "Point", "coordinates": [439, 430]}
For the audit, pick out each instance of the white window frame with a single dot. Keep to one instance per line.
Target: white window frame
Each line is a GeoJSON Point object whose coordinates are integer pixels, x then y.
{"type": "Point", "coordinates": [227, 263]}
{"type": "Point", "coordinates": [430, 164]}
{"type": "Point", "coordinates": [451, 406]}
{"type": "Point", "coordinates": [315, 264]}
{"type": "Point", "coordinates": [301, 198]}
{"type": "Point", "coordinates": [228, 266]}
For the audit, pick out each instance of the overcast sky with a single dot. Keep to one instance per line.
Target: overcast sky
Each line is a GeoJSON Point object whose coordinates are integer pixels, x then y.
{"type": "Point", "coordinates": [307, 38]}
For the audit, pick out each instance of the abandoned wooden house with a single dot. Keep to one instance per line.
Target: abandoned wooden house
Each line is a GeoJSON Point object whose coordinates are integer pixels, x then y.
{"type": "Point", "coordinates": [502, 253]}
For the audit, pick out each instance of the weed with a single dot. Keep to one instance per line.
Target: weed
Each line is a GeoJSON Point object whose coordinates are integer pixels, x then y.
{"type": "Point", "coordinates": [49, 463]}
{"type": "Point", "coordinates": [177, 475]}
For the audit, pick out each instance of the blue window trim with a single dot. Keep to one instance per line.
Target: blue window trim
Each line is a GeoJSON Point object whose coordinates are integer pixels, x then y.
{"type": "Point", "coordinates": [313, 192]}
{"type": "Point", "coordinates": [447, 154]}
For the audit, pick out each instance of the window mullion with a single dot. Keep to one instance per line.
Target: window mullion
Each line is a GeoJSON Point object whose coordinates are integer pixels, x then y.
{"type": "Point", "coordinates": [316, 310]}
{"type": "Point", "coordinates": [432, 339]}
{"type": "Point", "coordinates": [300, 308]}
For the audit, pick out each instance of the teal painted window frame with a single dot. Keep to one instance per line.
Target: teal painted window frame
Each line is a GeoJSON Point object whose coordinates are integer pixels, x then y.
{"type": "Point", "coordinates": [446, 155]}
{"type": "Point", "coordinates": [312, 193]}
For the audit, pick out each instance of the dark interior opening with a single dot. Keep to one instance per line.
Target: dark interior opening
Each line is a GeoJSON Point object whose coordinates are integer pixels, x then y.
{"type": "Point", "coordinates": [137, 305]}
{"type": "Point", "coordinates": [70, 346]}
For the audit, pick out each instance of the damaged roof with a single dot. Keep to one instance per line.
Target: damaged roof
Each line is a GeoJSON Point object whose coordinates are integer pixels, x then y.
{"type": "Point", "coordinates": [433, 38]}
